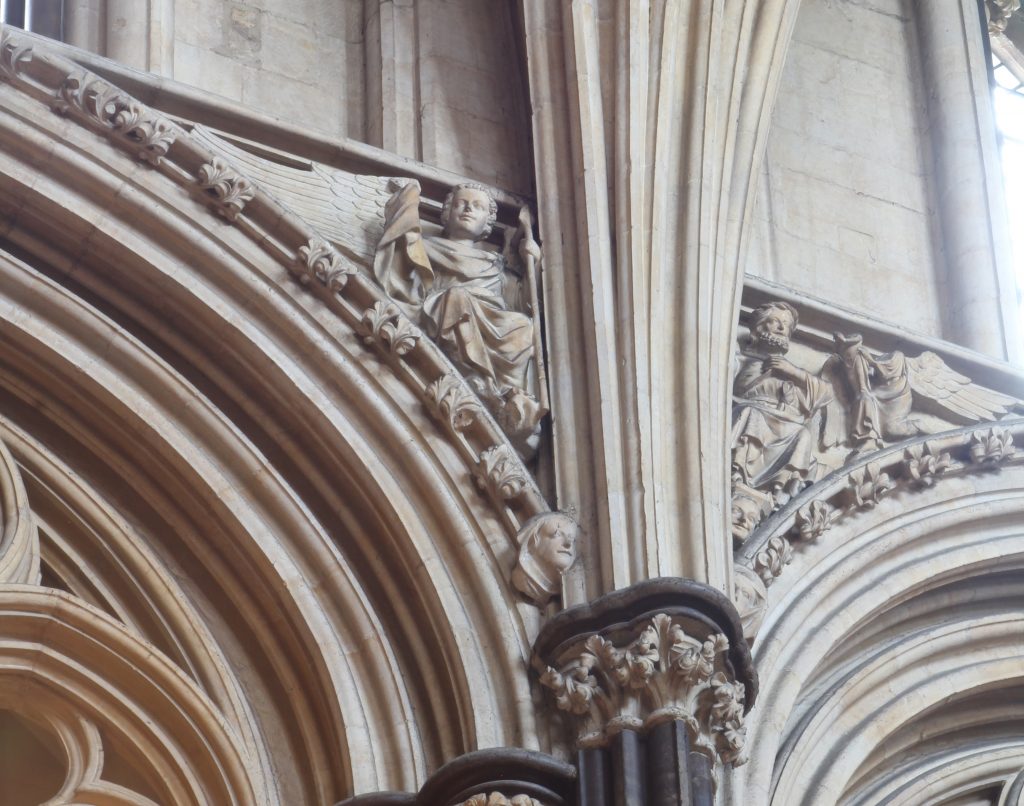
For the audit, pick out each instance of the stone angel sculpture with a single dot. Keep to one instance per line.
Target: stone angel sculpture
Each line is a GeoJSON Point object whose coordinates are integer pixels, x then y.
{"type": "Point", "coordinates": [877, 395]}
{"type": "Point", "coordinates": [469, 296]}
{"type": "Point", "coordinates": [792, 426]}
{"type": "Point", "coordinates": [479, 302]}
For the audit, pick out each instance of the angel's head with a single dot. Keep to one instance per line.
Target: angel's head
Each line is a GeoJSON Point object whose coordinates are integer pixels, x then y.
{"type": "Point", "coordinates": [469, 212]}
{"type": "Point", "coordinates": [772, 326]}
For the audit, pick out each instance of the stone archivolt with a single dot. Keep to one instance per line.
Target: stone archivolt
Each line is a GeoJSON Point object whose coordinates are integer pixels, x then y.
{"type": "Point", "coordinates": [231, 464]}
{"type": "Point", "coordinates": [897, 470]}
{"type": "Point", "coordinates": [188, 159]}
{"type": "Point", "coordinates": [889, 659]}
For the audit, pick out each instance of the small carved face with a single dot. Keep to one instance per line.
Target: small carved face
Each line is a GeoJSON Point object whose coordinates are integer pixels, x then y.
{"type": "Point", "coordinates": [774, 329]}
{"type": "Point", "coordinates": [745, 516]}
{"type": "Point", "coordinates": [556, 543]}
{"type": "Point", "coordinates": [467, 218]}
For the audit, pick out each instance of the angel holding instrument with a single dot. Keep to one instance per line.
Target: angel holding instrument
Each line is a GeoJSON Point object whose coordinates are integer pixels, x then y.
{"type": "Point", "coordinates": [467, 296]}
{"type": "Point", "coordinates": [878, 394]}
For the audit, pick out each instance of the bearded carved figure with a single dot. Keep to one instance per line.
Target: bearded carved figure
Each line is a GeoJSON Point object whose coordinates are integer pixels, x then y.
{"type": "Point", "coordinates": [792, 426]}
{"type": "Point", "coordinates": [777, 407]}
{"type": "Point", "coordinates": [468, 296]}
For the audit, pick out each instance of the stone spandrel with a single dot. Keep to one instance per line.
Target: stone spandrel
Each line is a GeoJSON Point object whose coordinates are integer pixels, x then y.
{"type": "Point", "coordinates": [794, 424]}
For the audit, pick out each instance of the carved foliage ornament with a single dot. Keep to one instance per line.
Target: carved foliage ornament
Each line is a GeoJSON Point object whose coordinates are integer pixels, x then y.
{"type": "Point", "coordinates": [794, 425]}
{"type": "Point", "coordinates": [500, 473]}
{"type": "Point", "coordinates": [142, 131]}
{"type": "Point", "coordinates": [90, 101]}
{"type": "Point", "coordinates": [319, 260]}
{"type": "Point", "coordinates": [498, 799]}
{"type": "Point", "coordinates": [229, 189]}
{"type": "Point", "coordinates": [999, 13]}
{"type": "Point", "coordinates": [384, 324]}
{"type": "Point", "coordinates": [663, 674]}
{"type": "Point", "coordinates": [452, 401]}
{"type": "Point", "coordinates": [13, 54]}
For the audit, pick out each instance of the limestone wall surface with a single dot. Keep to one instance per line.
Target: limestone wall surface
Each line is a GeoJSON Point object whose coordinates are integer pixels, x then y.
{"type": "Point", "coordinates": [427, 79]}
{"type": "Point", "coordinates": [845, 209]}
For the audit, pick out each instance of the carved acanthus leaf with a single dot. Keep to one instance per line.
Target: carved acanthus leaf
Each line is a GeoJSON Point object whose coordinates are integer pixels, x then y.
{"type": "Point", "coordinates": [451, 400]}
{"type": "Point", "coordinates": [501, 473]}
{"type": "Point", "coordinates": [923, 464]}
{"type": "Point", "coordinates": [991, 447]}
{"type": "Point", "coordinates": [318, 260]}
{"type": "Point", "coordinates": [769, 562]}
{"type": "Point", "coordinates": [124, 119]}
{"type": "Point", "coordinates": [385, 325]}
{"type": "Point", "coordinates": [999, 12]}
{"type": "Point", "coordinates": [229, 189]}
{"type": "Point", "coordinates": [499, 799]}
{"type": "Point", "coordinates": [574, 690]}
{"type": "Point", "coordinates": [665, 672]}
{"type": "Point", "coordinates": [13, 54]}
{"type": "Point", "coordinates": [815, 518]}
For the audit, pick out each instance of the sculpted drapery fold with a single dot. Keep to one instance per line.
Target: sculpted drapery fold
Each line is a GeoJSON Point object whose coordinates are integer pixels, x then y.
{"type": "Point", "coordinates": [464, 295]}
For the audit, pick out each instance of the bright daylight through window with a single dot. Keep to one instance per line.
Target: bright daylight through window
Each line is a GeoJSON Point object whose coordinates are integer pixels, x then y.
{"type": "Point", "coordinates": [1008, 73]}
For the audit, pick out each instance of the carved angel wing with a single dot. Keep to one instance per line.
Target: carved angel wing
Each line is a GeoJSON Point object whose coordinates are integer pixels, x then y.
{"type": "Point", "coordinates": [952, 393]}
{"type": "Point", "coordinates": [345, 208]}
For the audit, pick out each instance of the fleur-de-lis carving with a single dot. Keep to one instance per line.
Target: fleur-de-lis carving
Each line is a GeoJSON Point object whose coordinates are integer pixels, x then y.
{"type": "Point", "coordinates": [814, 519]}
{"type": "Point", "coordinates": [151, 135]}
{"type": "Point", "coordinates": [992, 446]}
{"type": "Point", "coordinates": [229, 189]}
{"type": "Point", "coordinates": [385, 325]}
{"type": "Point", "coordinates": [320, 261]}
{"type": "Point", "coordinates": [91, 97]}
{"type": "Point", "coordinates": [450, 399]}
{"type": "Point", "coordinates": [769, 562]}
{"type": "Point", "coordinates": [924, 465]}
{"type": "Point", "coordinates": [869, 484]}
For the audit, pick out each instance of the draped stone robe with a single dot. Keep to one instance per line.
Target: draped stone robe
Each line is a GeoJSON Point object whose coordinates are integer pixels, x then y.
{"type": "Point", "coordinates": [459, 294]}
{"type": "Point", "coordinates": [776, 422]}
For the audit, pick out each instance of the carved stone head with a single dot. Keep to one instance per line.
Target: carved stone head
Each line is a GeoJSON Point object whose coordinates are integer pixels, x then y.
{"type": "Point", "coordinates": [749, 506]}
{"type": "Point", "coordinates": [469, 212]}
{"type": "Point", "coordinates": [772, 326]}
{"type": "Point", "coordinates": [547, 549]}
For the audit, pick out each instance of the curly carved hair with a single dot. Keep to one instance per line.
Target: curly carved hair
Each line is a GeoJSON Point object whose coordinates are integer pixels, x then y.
{"type": "Point", "coordinates": [761, 312]}
{"type": "Point", "coordinates": [492, 204]}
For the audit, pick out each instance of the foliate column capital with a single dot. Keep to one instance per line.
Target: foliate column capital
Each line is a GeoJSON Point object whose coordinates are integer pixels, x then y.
{"type": "Point", "coordinates": [660, 651]}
